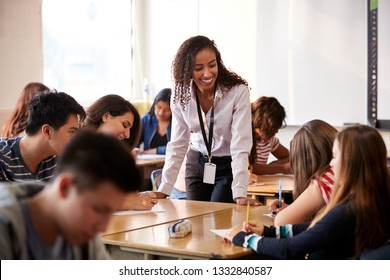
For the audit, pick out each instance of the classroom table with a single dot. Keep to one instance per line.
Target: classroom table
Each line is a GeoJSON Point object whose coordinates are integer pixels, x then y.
{"type": "Point", "coordinates": [166, 210]}
{"type": "Point", "coordinates": [267, 186]}
{"type": "Point", "coordinates": [153, 241]}
{"type": "Point", "coordinates": [147, 163]}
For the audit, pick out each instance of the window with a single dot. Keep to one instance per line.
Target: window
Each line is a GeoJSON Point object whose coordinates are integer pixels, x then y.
{"type": "Point", "coordinates": [87, 47]}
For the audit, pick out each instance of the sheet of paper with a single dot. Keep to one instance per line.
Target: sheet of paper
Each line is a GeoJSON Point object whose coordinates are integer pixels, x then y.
{"type": "Point", "coordinates": [268, 215]}
{"type": "Point", "coordinates": [220, 232]}
{"type": "Point", "coordinates": [150, 156]}
{"type": "Point", "coordinates": [137, 212]}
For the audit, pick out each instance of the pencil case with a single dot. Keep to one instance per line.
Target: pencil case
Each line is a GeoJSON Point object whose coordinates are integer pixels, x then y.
{"type": "Point", "coordinates": [180, 229]}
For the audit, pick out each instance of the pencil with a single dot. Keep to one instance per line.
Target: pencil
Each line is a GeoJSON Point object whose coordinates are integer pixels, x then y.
{"type": "Point", "coordinates": [247, 212]}
{"type": "Point", "coordinates": [154, 184]}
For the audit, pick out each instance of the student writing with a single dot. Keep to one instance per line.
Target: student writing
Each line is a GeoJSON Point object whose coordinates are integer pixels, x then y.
{"type": "Point", "coordinates": [354, 221]}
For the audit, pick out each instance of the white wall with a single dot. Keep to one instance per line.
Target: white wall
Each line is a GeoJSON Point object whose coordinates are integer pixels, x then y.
{"type": "Point", "coordinates": [243, 36]}
{"type": "Point", "coordinates": [20, 48]}
{"type": "Point", "coordinates": [230, 23]}
{"type": "Point", "coordinates": [312, 56]}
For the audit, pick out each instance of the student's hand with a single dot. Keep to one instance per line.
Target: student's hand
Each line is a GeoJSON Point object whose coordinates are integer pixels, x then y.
{"type": "Point", "coordinates": [150, 151]}
{"type": "Point", "coordinates": [253, 227]}
{"type": "Point", "coordinates": [287, 168]}
{"type": "Point", "coordinates": [252, 179]}
{"type": "Point", "coordinates": [244, 201]}
{"type": "Point", "coordinates": [135, 152]}
{"type": "Point", "coordinates": [274, 209]}
{"type": "Point", "coordinates": [157, 195]}
{"type": "Point", "coordinates": [231, 233]}
{"type": "Point", "coordinates": [139, 202]}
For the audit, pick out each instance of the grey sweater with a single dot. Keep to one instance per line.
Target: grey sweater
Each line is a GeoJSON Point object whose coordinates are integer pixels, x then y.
{"type": "Point", "coordinates": [13, 239]}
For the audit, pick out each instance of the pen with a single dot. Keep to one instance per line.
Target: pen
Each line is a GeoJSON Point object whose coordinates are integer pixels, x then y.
{"type": "Point", "coordinates": [280, 194]}
{"type": "Point", "coordinates": [247, 212]}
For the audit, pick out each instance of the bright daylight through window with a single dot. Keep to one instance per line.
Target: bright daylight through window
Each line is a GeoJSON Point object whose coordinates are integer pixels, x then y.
{"type": "Point", "coordinates": [87, 47]}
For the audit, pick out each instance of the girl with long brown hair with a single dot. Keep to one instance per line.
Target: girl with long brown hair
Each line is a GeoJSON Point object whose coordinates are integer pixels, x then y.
{"type": "Point", "coordinates": [310, 156]}
{"type": "Point", "coordinates": [356, 218]}
{"type": "Point", "coordinates": [17, 121]}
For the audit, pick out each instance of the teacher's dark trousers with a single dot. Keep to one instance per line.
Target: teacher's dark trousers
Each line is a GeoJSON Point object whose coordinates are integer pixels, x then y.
{"type": "Point", "coordinates": [220, 191]}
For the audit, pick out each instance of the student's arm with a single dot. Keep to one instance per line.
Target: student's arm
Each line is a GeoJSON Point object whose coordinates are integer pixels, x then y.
{"type": "Point", "coordinates": [303, 208]}
{"type": "Point", "coordinates": [140, 202]}
{"type": "Point", "coordinates": [281, 165]}
{"type": "Point", "coordinates": [336, 227]}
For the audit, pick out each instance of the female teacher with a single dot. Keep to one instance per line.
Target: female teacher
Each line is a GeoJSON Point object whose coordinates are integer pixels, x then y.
{"type": "Point", "coordinates": [211, 104]}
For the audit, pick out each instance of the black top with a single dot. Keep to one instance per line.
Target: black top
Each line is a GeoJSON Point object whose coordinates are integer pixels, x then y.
{"type": "Point", "coordinates": [158, 140]}
{"type": "Point", "coordinates": [333, 237]}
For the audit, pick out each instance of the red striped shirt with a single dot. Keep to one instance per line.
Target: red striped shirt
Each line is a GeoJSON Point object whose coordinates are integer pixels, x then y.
{"type": "Point", "coordinates": [325, 184]}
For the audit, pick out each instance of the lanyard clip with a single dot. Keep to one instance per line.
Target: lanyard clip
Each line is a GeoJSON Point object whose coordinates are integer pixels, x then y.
{"type": "Point", "coordinates": [210, 159]}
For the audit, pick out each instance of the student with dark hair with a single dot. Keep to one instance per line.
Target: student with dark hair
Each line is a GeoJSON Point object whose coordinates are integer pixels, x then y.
{"type": "Point", "coordinates": [53, 118]}
{"type": "Point", "coordinates": [17, 121]}
{"type": "Point", "coordinates": [62, 220]}
{"type": "Point", "coordinates": [156, 125]}
{"type": "Point", "coordinates": [356, 218]}
{"type": "Point", "coordinates": [268, 116]}
{"type": "Point", "coordinates": [115, 115]}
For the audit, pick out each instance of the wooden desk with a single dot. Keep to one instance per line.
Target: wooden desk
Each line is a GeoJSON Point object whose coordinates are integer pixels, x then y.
{"type": "Point", "coordinates": [268, 185]}
{"type": "Point", "coordinates": [154, 242]}
{"type": "Point", "coordinates": [147, 163]}
{"type": "Point", "coordinates": [173, 210]}
{"type": "Point", "coordinates": [150, 160]}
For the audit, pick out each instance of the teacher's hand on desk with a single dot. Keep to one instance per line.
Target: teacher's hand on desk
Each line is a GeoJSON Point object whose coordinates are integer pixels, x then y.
{"type": "Point", "coordinates": [244, 201]}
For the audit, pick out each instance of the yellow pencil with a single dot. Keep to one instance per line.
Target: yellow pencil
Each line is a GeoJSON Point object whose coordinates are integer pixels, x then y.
{"type": "Point", "coordinates": [154, 184]}
{"type": "Point", "coordinates": [247, 213]}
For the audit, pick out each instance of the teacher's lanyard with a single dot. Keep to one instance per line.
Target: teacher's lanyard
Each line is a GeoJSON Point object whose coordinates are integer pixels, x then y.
{"type": "Point", "coordinates": [208, 143]}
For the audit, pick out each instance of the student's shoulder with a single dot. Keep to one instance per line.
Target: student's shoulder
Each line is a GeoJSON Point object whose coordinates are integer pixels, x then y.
{"type": "Point", "coordinates": [9, 148]}
{"type": "Point", "coordinates": [8, 143]}
{"type": "Point", "coordinates": [19, 190]}
{"type": "Point", "coordinates": [341, 211]}
{"type": "Point", "coordinates": [147, 118]}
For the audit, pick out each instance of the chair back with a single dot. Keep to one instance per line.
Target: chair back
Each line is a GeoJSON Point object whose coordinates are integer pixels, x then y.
{"type": "Point", "coordinates": [155, 177]}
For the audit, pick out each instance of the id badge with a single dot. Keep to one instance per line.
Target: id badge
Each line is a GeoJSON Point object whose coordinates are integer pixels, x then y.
{"type": "Point", "coordinates": [209, 173]}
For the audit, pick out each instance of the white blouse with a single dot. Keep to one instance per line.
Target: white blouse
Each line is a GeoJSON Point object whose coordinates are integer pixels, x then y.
{"type": "Point", "coordinates": [232, 136]}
